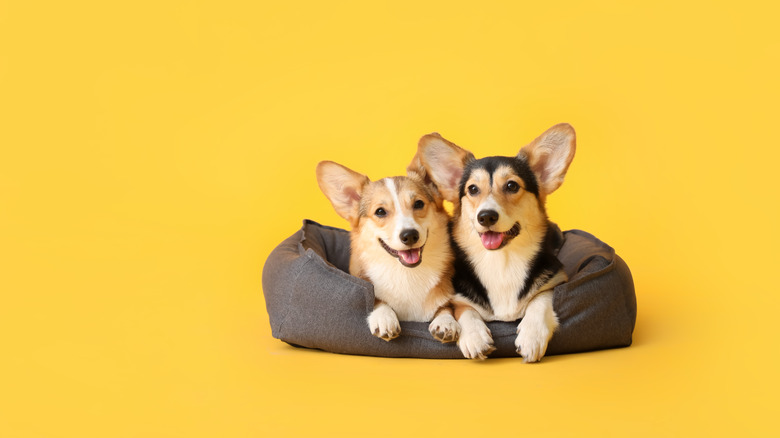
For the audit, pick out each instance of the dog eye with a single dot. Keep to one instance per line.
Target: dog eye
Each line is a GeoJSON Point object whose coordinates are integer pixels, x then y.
{"type": "Point", "coordinates": [512, 187]}
{"type": "Point", "coordinates": [418, 205]}
{"type": "Point", "coordinates": [473, 190]}
{"type": "Point", "coordinates": [380, 212]}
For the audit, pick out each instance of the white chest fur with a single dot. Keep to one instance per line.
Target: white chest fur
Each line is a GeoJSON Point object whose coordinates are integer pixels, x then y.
{"type": "Point", "coordinates": [503, 272]}
{"type": "Point", "coordinates": [406, 290]}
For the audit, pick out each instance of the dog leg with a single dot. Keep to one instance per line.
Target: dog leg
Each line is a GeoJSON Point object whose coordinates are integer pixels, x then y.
{"type": "Point", "coordinates": [383, 322]}
{"type": "Point", "coordinates": [475, 341]}
{"type": "Point", "coordinates": [536, 328]}
{"type": "Point", "coordinates": [444, 328]}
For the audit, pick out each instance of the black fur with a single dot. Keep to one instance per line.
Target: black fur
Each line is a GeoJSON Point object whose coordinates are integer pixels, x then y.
{"type": "Point", "coordinates": [544, 264]}
{"type": "Point", "coordinates": [465, 280]}
{"type": "Point", "coordinates": [490, 164]}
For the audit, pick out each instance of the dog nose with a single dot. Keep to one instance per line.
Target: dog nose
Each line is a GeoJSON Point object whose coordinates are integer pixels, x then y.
{"type": "Point", "coordinates": [409, 237]}
{"type": "Point", "coordinates": [487, 218]}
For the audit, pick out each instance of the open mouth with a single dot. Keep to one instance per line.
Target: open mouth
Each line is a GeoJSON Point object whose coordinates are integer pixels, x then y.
{"type": "Point", "coordinates": [494, 240]}
{"type": "Point", "coordinates": [408, 257]}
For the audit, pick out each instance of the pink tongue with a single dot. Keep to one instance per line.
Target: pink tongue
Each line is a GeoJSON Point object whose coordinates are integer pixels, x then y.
{"type": "Point", "coordinates": [492, 240]}
{"type": "Point", "coordinates": [410, 256]}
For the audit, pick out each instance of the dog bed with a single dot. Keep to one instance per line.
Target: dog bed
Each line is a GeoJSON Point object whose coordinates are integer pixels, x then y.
{"type": "Point", "coordinates": [313, 302]}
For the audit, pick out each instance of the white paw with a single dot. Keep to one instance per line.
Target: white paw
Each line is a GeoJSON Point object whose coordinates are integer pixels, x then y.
{"type": "Point", "coordinates": [475, 341]}
{"type": "Point", "coordinates": [383, 323]}
{"type": "Point", "coordinates": [532, 338]}
{"type": "Point", "coordinates": [444, 328]}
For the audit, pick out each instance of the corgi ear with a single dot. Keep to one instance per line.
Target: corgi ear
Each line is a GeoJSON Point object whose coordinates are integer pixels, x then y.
{"type": "Point", "coordinates": [550, 155]}
{"type": "Point", "coordinates": [343, 187]}
{"type": "Point", "coordinates": [440, 163]}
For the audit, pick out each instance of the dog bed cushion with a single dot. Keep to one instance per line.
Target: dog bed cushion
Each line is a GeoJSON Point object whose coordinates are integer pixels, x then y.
{"type": "Point", "coordinates": [313, 302]}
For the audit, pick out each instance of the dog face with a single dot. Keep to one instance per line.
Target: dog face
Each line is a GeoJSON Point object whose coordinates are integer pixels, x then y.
{"type": "Point", "coordinates": [390, 218]}
{"type": "Point", "coordinates": [396, 212]}
{"type": "Point", "coordinates": [499, 197]}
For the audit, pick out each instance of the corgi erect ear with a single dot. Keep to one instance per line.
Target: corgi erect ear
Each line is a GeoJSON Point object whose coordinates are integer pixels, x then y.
{"type": "Point", "coordinates": [440, 162]}
{"type": "Point", "coordinates": [550, 155]}
{"type": "Point", "coordinates": [343, 187]}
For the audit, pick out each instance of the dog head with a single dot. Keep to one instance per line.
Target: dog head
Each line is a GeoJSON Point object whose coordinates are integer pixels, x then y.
{"type": "Point", "coordinates": [499, 196]}
{"type": "Point", "coordinates": [389, 217]}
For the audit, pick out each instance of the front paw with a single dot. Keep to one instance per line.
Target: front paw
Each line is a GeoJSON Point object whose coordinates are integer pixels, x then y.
{"type": "Point", "coordinates": [532, 339]}
{"type": "Point", "coordinates": [384, 324]}
{"type": "Point", "coordinates": [476, 341]}
{"type": "Point", "coordinates": [444, 328]}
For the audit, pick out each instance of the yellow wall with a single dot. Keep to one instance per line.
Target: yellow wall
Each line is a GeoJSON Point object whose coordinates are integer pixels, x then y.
{"type": "Point", "coordinates": [153, 153]}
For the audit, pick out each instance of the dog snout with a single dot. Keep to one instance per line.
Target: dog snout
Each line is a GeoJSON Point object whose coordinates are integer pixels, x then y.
{"type": "Point", "coordinates": [487, 218]}
{"type": "Point", "coordinates": [409, 237]}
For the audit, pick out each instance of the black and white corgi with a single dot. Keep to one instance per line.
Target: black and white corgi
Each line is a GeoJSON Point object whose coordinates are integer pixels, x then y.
{"type": "Point", "coordinates": [505, 263]}
{"type": "Point", "coordinates": [400, 243]}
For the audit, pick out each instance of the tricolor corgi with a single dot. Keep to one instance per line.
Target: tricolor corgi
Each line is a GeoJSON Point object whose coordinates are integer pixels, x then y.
{"type": "Point", "coordinates": [399, 242]}
{"type": "Point", "coordinates": [505, 263]}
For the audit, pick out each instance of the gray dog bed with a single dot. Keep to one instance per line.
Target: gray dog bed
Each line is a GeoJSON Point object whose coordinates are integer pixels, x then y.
{"type": "Point", "coordinates": [313, 302]}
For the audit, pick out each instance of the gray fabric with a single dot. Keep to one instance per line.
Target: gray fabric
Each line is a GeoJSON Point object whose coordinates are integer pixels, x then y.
{"type": "Point", "coordinates": [313, 302]}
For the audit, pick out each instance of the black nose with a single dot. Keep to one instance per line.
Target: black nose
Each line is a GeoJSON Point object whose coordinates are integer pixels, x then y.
{"type": "Point", "coordinates": [487, 218]}
{"type": "Point", "coordinates": [409, 237]}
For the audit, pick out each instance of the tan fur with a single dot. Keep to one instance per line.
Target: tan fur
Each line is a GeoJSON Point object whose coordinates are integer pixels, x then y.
{"type": "Point", "coordinates": [476, 340]}
{"type": "Point", "coordinates": [521, 207]}
{"type": "Point", "coordinates": [502, 271]}
{"type": "Point", "coordinates": [443, 290]}
{"type": "Point", "coordinates": [550, 155]}
{"type": "Point", "coordinates": [439, 165]}
{"type": "Point", "coordinates": [342, 187]}
{"type": "Point", "coordinates": [419, 293]}
{"type": "Point", "coordinates": [459, 308]}
{"type": "Point", "coordinates": [521, 204]}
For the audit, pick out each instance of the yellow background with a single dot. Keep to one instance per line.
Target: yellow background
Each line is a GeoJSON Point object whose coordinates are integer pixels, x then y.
{"type": "Point", "coordinates": [154, 153]}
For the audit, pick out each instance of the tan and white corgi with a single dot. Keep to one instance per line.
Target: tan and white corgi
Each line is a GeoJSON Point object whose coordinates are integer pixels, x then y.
{"type": "Point", "coordinates": [504, 244]}
{"type": "Point", "coordinates": [400, 243]}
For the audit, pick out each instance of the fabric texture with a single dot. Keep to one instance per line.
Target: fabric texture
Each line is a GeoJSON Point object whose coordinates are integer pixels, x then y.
{"type": "Point", "coordinates": [313, 302]}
